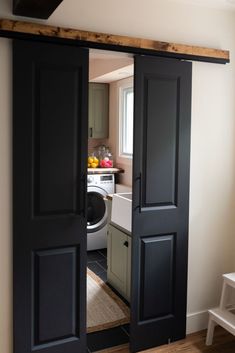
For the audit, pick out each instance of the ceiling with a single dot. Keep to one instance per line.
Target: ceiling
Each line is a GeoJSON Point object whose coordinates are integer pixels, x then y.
{"type": "Point", "coordinates": [116, 75]}
{"type": "Point", "coordinates": [107, 54]}
{"type": "Point", "coordinates": [222, 4]}
{"type": "Point", "coordinates": [120, 71]}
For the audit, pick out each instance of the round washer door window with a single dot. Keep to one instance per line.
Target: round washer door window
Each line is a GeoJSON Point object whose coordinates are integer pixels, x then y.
{"type": "Point", "coordinates": [96, 211]}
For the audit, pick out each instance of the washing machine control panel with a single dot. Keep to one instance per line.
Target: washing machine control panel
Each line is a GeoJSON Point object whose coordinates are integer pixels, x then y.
{"type": "Point", "coordinates": [105, 181]}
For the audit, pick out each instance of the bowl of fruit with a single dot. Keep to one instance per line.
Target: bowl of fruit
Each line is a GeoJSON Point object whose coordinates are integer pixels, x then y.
{"type": "Point", "coordinates": [92, 162]}
{"type": "Point", "coordinates": [106, 162]}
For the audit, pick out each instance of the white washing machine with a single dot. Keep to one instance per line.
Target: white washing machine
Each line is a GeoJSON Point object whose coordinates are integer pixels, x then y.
{"type": "Point", "coordinates": [98, 187]}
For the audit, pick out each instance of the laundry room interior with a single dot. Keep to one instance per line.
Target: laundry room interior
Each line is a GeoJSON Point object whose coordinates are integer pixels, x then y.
{"type": "Point", "coordinates": [109, 198]}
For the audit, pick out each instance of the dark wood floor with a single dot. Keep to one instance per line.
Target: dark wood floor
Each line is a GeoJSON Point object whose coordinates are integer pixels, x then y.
{"type": "Point", "coordinates": [194, 343]}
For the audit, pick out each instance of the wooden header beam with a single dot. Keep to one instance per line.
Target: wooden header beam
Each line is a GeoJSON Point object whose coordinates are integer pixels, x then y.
{"type": "Point", "coordinates": [35, 31]}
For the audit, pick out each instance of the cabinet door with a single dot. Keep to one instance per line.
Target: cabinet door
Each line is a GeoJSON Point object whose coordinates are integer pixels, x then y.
{"type": "Point", "coordinates": [98, 110]}
{"type": "Point", "coordinates": [128, 279]}
{"type": "Point", "coordinates": [117, 259]}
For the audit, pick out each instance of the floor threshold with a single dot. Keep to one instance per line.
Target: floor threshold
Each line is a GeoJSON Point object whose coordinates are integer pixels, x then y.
{"type": "Point", "coordinates": [123, 348]}
{"type": "Point", "coordinates": [223, 342]}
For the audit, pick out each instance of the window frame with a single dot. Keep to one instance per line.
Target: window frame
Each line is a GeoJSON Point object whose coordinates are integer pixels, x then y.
{"type": "Point", "coordinates": [124, 88]}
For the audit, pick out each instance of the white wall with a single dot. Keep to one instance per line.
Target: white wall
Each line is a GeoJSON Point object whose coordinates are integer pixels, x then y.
{"type": "Point", "coordinates": [124, 163]}
{"type": "Point", "coordinates": [212, 191]}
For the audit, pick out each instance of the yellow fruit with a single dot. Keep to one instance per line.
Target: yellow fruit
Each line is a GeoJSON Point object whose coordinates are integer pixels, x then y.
{"type": "Point", "coordinates": [95, 160]}
{"type": "Point", "coordinates": [88, 165]}
{"type": "Point", "coordinates": [90, 160]}
{"type": "Point", "coordinates": [93, 165]}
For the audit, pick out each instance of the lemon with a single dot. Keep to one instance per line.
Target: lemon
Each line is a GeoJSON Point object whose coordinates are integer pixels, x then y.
{"type": "Point", "coordinates": [93, 165]}
{"type": "Point", "coordinates": [88, 165]}
{"type": "Point", "coordinates": [90, 160]}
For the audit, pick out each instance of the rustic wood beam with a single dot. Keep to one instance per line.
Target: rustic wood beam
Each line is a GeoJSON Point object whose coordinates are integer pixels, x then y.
{"type": "Point", "coordinates": [35, 8]}
{"type": "Point", "coordinates": [30, 30]}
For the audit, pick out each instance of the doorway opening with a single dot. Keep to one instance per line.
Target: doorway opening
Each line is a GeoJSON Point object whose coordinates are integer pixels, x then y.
{"type": "Point", "coordinates": [109, 198]}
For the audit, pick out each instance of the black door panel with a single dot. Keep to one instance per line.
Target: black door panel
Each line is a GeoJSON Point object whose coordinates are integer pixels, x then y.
{"type": "Point", "coordinates": [162, 112]}
{"type": "Point", "coordinates": [49, 156]}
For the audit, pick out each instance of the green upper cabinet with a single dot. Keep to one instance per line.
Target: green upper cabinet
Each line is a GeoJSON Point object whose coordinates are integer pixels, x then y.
{"type": "Point", "coordinates": [98, 110]}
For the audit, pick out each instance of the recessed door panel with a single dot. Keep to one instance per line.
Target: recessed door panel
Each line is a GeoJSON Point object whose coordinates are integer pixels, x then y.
{"type": "Point", "coordinates": [56, 160]}
{"type": "Point", "coordinates": [160, 141]}
{"type": "Point", "coordinates": [55, 295]}
{"type": "Point", "coordinates": [157, 277]}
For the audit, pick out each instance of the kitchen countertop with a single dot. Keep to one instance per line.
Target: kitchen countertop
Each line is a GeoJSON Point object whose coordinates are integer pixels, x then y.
{"type": "Point", "coordinates": [104, 170]}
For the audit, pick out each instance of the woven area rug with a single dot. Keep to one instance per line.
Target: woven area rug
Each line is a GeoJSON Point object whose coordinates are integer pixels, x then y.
{"type": "Point", "coordinates": [104, 308]}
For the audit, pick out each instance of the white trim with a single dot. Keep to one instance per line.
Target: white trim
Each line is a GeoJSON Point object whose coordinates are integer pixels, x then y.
{"type": "Point", "coordinates": [123, 91]}
{"type": "Point", "coordinates": [197, 321]}
{"type": "Point", "coordinates": [122, 84]}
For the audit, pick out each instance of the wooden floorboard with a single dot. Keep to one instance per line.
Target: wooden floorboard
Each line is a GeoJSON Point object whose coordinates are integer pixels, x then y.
{"type": "Point", "coordinates": [223, 342]}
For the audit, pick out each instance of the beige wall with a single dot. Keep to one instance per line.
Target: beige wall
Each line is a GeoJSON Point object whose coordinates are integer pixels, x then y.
{"type": "Point", "coordinates": [5, 198]}
{"type": "Point", "coordinates": [212, 191]}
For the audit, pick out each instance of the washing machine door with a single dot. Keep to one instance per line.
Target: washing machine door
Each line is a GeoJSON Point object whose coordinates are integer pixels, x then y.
{"type": "Point", "coordinates": [96, 209]}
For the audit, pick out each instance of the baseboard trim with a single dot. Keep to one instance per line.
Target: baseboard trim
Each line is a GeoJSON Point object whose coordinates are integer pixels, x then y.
{"type": "Point", "coordinates": [197, 321]}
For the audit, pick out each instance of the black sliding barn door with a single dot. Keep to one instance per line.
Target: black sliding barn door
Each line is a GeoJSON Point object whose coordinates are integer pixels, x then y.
{"type": "Point", "coordinates": [49, 163]}
{"type": "Point", "coordinates": [160, 201]}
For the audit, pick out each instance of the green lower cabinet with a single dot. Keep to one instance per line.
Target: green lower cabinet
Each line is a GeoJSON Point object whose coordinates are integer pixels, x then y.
{"type": "Point", "coordinates": [119, 261]}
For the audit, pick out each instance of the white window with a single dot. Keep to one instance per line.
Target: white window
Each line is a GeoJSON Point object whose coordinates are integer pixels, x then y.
{"type": "Point", "coordinates": [126, 99]}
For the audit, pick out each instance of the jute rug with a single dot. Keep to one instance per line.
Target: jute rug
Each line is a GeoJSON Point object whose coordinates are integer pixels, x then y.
{"type": "Point", "coordinates": [104, 308]}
